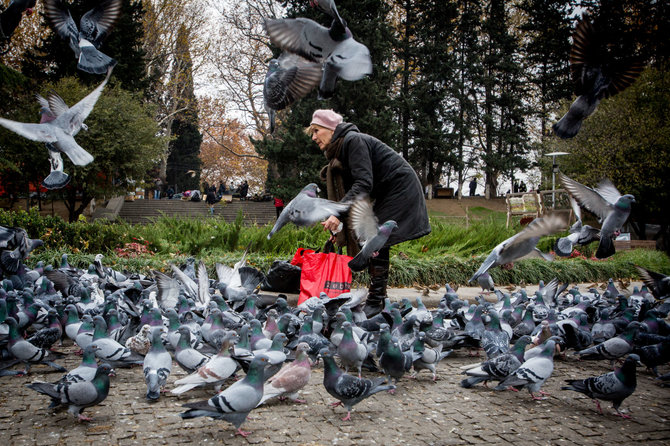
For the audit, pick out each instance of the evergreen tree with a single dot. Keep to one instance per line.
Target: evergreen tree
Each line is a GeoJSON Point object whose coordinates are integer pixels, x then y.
{"type": "Point", "coordinates": [502, 110]}
{"type": "Point", "coordinates": [547, 30]}
{"type": "Point", "coordinates": [468, 57]}
{"type": "Point", "coordinates": [183, 163]}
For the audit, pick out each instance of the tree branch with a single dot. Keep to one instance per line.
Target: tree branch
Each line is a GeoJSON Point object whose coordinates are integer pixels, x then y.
{"type": "Point", "coordinates": [239, 155]}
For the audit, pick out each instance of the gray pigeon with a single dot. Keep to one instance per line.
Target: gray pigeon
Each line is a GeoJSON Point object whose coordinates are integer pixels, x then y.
{"type": "Point", "coordinates": [606, 202]}
{"type": "Point", "coordinates": [60, 132]}
{"type": "Point", "coordinates": [15, 245]}
{"type": "Point", "coordinates": [329, 7]}
{"type": "Point", "coordinates": [580, 234]}
{"type": "Point", "coordinates": [351, 353]}
{"type": "Point", "coordinates": [532, 373]}
{"type": "Point", "coordinates": [292, 377]}
{"type": "Point", "coordinates": [289, 78]}
{"type": "Point", "coordinates": [341, 55]}
{"type": "Point", "coordinates": [186, 356]}
{"type": "Point", "coordinates": [658, 283]}
{"type": "Point", "coordinates": [596, 74]}
{"type": "Point", "coordinates": [497, 368]}
{"type": "Point", "coordinates": [157, 366]}
{"type": "Point", "coordinates": [614, 386]}
{"type": "Point", "coordinates": [94, 27]}
{"type": "Point", "coordinates": [522, 244]}
{"type": "Point", "coordinates": [79, 395]}
{"type": "Point", "coordinates": [235, 402]}
{"type": "Point", "coordinates": [613, 348]}
{"type": "Point", "coordinates": [27, 352]}
{"type": "Point", "coordinates": [370, 235]}
{"type": "Point", "coordinates": [307, 209]}
{"type": "Point", "coordinates": [348, 389]}
{"type": "Point", "coordinates": [10, 19]}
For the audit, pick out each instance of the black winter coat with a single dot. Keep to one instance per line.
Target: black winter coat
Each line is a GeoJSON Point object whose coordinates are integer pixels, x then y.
{"type": "Point", "coordinates": [372, 167]}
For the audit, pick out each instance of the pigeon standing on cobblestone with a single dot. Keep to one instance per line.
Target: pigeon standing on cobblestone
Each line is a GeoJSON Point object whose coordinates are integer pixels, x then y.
{"type": "Point", "coordinates": [79, 395]}
{"type": "Point", "coordinates": [614, 386]}
{"type": "Point", "coordinates": [26, 352]}
{"type": "Point", "coordinates": [292, 377]}
{"type": "Point", "coordinates": [157, 366]}
{"type": "Point", "coordinates": [532, 373]}
{"type": "Point", "coordinates": [234, 403]}
{"type": "Point", "coordinates": [348, 389]}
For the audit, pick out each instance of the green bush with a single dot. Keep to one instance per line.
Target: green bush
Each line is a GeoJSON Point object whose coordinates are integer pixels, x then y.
{"type": "Point", "coordinates": [451, 253]}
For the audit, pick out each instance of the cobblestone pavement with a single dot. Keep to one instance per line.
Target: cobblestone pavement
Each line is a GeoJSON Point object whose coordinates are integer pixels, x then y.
{"type": "Point", "coordinates": [421, 412]}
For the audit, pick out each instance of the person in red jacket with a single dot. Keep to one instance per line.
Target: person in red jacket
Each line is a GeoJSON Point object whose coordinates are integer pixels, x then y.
{"type": "Point", "coordinates": [279, 205]}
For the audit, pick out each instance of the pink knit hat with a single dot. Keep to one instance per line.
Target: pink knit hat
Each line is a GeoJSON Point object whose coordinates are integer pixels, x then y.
{"type": "Point", "coordinates": [326, 118]}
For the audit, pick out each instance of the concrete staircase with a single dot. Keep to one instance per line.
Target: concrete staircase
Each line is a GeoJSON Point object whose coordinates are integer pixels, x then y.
{"type": "Point", "coordinates": [143, 211]}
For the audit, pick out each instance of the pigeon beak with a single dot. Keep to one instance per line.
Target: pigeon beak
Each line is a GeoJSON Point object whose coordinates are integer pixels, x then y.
{"type": "Point", "coordinates": [84, 126]}
{"type": "Point", "coordinates": [112, 373]}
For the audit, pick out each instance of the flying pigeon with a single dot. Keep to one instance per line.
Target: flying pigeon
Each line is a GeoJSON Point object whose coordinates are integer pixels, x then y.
{"type": "Point", "coordinates": [341, 55]}
{"type": "Point", "coordinates": [94, 27]}
{"type": "Point", "coordinates": [79, 395]}
{"type": "Point", "coordinates": [371, 236]}
{"type": "Point", "coordinates": [580, 234]}
{"type": "Point", "coordinates": [10, 19]}
{"type": "Point", "coordinates": [289, 78]}
{"type": "Point", "coordinates": [522, 244]}
{"type": "Point", "coordinates": [658, 283]}
{"type": "Point", "coordinates": [348, 389]}
{"type": "Point", "coordinates": [235, 402]}
{"type": "Point", "coordinates": [307, 209]}
{"type": "Point", "coordinates": [597, 75]}
{"type": "Point", "coordinates": [607, 203]}
{"type": "Point", "coordinates": [614, 386]}
{"type": "Point", "coordinates": [60, 131]}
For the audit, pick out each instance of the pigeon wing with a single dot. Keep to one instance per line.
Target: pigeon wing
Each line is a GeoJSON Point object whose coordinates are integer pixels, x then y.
{"type": "Point", "coordinates": [608, 191]}
{"type": "Point", "coordinates": [168, 290]}
{"type": "Point", "coordinates": [363, 220]}
{"type": "Point", "coordinates": [84, 107]}
{"type": "Point", "coordinates": [77, 154]}
{"type": "Point", "coordinates": [586, 197]}
{"type": "Point", "coordinates": [301, 36]}
{"type": "Point", "coordinates": [34, 132]}
{"type": "Point", "coordinates": [61, 20]}
{"type": "Point", "coordinates": [97, 22]}
{"type": "Point", "coordinates": [203, 284]}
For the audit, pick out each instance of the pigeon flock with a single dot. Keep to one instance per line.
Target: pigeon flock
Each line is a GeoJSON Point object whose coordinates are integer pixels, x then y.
{"type": "Point", "coordinates": [217, 330]}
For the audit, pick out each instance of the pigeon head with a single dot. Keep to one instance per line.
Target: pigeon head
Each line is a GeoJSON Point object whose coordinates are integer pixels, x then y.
{"type": "Point", "coordinates": [625, 201]}
{"type": "Point", "coordinates": [388, 227]}
{"type": "Point", "coordinates": [310, 190]}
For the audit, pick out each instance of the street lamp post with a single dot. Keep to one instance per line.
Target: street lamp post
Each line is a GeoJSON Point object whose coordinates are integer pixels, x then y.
{"type": "Point", "coordinates": [554, 169]}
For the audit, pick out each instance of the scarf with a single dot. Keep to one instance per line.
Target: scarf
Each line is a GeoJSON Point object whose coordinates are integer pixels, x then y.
{"type": "Point", "coordinates": [332, 175]}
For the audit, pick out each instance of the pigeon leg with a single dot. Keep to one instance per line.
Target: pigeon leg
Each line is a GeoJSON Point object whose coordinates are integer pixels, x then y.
{"type": "Point", "coordinates": [544, 393]}
{"type": "Point", "coordinates": [513, 389]}
{"type": "Point", "coordinates": [598, 406]}
{"type": "Point", "coordinates": [348, 417]}
{"type": "Point", "coordinates": [623, 415]}
{"type": "Point", "coordinates": [301, 401]}
{"type": "Point", "coordinates": [82, 417]}
{"type": "Point", "coordinates": [336, 403]}
{"type": "Point", "coordinates": [242, 433]}
{"type": "Point", "coordinates": [537, 398]}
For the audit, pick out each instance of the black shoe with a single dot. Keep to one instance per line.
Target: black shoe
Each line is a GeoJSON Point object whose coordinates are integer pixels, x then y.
{"type": "Point", "coordinates": [372, 309]}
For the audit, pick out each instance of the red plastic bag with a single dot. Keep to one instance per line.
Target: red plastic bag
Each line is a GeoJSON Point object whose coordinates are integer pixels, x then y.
{"type": "Point", "coordinates": [327, 272]}
{"type": "Point", "coordinates": [299, 256]}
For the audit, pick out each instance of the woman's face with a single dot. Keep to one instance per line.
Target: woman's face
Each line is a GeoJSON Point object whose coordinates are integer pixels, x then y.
{"type": "Point", "coordinates": [321, 136]}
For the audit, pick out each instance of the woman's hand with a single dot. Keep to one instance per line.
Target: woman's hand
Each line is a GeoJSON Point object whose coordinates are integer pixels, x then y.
{"type": "Point", "coordinates": [332, 224]}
